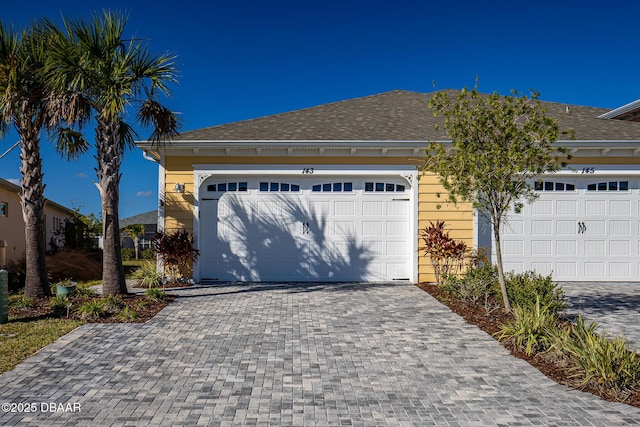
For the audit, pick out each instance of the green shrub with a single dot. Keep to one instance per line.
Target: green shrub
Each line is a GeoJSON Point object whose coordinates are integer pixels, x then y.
{"type": "Point", "coordinates": [476, 284]}
{"type": "Point", "coordinates": [92, 309]}
{"type": "Point", "coordinates": [148, 275]}
{"type": "Point", "coordinates": [84, 291]}
{"type": "Point", "coordinates": [127, 314]}
{"type": "Point", "coordinates": [112, 304]}
{"type": "Point", "coordinates": [60, 305]}
{"type": "Point", "coordinates": [20, 302]}
{"type": "Point", "coordinates": [128, 254]}
{"type": "Point", "coordinates": [147, 254]}
{"type": "Point", "coordinates": [155, 294]}
{"type": "Point", "coordinates": [607, 363]}
{"type": "Point", "coordinates": [532, 330]}
{"type": "Point", "coordinates": [524, 288]}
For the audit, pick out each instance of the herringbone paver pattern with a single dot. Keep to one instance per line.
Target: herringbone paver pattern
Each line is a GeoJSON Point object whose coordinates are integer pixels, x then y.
{"type": "Point", "coordinates": [303, 355]}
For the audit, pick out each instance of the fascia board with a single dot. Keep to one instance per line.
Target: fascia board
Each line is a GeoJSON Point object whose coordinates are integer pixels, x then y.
{"type": "Point", "coordinates": [621, 110]}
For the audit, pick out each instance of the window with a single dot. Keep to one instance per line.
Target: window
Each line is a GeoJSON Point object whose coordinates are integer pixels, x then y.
{"type": "Point", "coordinates": [4, 209]}
{"type": "Point", "coordinates": [282, 187]}
{"type": "Point", "coordinates": [383, 187]}
{"type": "Point", "coordinates": [554, 186]}
{"type": "Point", "coordinates": [57, 223]}
{"type": "Point", "coordinates": [609, 186]}
{"type": "Point", "coordinates": [228, 186]}
{"type": "Point", "coordinates": [335, 187]}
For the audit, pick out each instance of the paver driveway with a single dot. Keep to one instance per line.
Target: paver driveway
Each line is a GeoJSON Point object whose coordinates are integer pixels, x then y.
{"type": "Point", "coordinates": [305, 354]}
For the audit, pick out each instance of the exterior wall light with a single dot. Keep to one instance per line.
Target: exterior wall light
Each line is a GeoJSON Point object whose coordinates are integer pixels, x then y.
{"type": "Point", "coordinates": [179, 188]}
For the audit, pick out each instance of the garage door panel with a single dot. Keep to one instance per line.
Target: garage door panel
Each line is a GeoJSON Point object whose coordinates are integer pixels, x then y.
{"type": "Point", "coordinates": [398, 208]}
{"type": "Point", "coordinates": [375, 247]}
{"type": "Point", "coordinates": [596, 227]}
{"type": "Point", "coordinates": [595, 269]}
{"type": "Point", "coordinates": [595, 207]}
{"type": "Point", "coordinates": [371, 208]}
{"type": "Point", "coordinates": [619, 207]}
{"type": "Point", "coordinates": [397, 248]}
{"type": "Point", "coordinates": [344, 228]}
{"type": "Point", "coordinates": [620, 227]}
{"type": "Point", "coordinates": [544, 268]}
{"type": "Point", "coordinates": [595, 247]}
{"type": "Point", "coordinates": [542, 207]}
{"type": "Point", "coordinates": [566, 207]}
{"type": "Point", "coordinates": [541, 247]}
{"type": "Point", "coordinates": [372, 228]}
{"type": "Point", "coordinates": [514, 227]}
{"type": "Point", "coordinates": [345, 208]}
{"type": "Point", "coordinates": [566, 247]}
{"type": "Point", "coordinates": [513, 247]}
{"type": "Point", "coordinates": [619, 247]}
{"type": "Point", "coordinates": [397, 228]}
{"type": "Point", "coordinates": [568, 270]}
{"type": "Point", "coordinates": [542, 227]}
{"type": "Point", "coordinates": [619, 269]}
{"type": "Point", "coordinates": [566, 227]}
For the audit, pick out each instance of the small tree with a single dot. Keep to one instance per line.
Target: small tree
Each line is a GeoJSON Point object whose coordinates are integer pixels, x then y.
{"type": "Point", "coordinates": [135, 231]}
{"type": "Point", "coordinates": [176, 250]}
{"type": "Point", "coordinates": [498, 145]}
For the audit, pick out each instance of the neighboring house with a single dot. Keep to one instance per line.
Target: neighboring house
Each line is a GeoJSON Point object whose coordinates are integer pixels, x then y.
{"type": "Point", "coordinates": [333, 193]}
{"type": "Point", "coordinates": [12, 223]}
{"type": "Point", "coordinates": [150, 222]}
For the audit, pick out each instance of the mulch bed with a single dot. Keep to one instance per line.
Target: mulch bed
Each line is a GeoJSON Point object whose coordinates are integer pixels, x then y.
{"type": "Point", "coordinates": [144, 308]}
{"type": "Point", "coordinates": [554, 367]}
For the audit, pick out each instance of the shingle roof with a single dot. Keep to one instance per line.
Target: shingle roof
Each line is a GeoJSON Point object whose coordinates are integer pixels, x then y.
{"type": "Point", "coordinates": [150, 217]}
{"type": "Point", "coordinates": [393, 116]}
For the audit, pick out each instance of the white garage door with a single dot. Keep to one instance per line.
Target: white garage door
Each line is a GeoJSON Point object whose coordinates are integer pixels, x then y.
{"type": "Point", "coordinates": [283, 228]}
{"type": "Point", "coordinates": [579, 229]}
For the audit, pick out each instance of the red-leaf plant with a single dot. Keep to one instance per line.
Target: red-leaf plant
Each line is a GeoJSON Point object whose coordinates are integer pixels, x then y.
{"type": "Point", "coordinates": [447, 255]}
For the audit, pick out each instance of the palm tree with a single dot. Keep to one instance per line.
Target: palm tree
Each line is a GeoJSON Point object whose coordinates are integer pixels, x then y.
{"type": "Point", "coordinates": [111, 75]}
{"type": "Point", "coordinates": [25, 103]}
{"type": "Point", "coordinates": [135, 231]}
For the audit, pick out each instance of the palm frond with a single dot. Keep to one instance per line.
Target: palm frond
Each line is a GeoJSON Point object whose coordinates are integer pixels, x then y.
{"type": "Point", "coordinates": [164, 122]}
{"type": "Point", "coordinates": [127, 136]}
{"type": "Point", "coordinates": [69, 142]}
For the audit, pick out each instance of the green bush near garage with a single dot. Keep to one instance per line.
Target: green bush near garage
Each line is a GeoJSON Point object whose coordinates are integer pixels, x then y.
{"type": "Point", "coordinates": [525, 288]}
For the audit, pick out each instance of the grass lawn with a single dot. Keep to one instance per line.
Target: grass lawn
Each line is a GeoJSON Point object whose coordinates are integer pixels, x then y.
{"type": "Point", "coordinates": [20, 339]}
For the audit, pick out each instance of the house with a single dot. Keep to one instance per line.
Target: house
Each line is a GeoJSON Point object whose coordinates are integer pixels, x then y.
{"type": "Point", "coordinates": [150, 222]}
{"type": "Point", "coordinates": [333, 193]}
{"type": "Point", "coordinates": [12, 237]}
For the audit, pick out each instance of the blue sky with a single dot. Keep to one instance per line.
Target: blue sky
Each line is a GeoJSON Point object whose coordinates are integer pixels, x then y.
{"type": "Point", "coordinates": [242, 59]}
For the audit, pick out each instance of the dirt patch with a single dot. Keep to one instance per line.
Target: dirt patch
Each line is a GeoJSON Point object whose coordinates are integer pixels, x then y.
{"type": "Point", "coordinates": [555, 367]}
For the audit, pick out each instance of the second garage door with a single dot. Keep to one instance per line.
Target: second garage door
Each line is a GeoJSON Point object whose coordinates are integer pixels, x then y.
{"type": "Point", "coordinates": [279, 228]}
{"type": "Point", "coordinates": [579, 229]}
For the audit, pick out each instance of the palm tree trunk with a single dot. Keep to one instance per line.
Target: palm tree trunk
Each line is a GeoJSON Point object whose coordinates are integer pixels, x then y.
{"type": "Point", "coordinates": [32, 198]}
{"type": "Point", "coordinates": [109, 155]}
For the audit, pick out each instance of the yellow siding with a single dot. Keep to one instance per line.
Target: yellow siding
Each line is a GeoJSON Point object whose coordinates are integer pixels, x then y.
{"type": "Point", "coordinates": [432, 207]}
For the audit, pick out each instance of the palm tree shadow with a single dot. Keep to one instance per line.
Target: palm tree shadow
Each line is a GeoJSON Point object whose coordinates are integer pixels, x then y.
{"type": "Point", "coordinates": [283, 239]}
